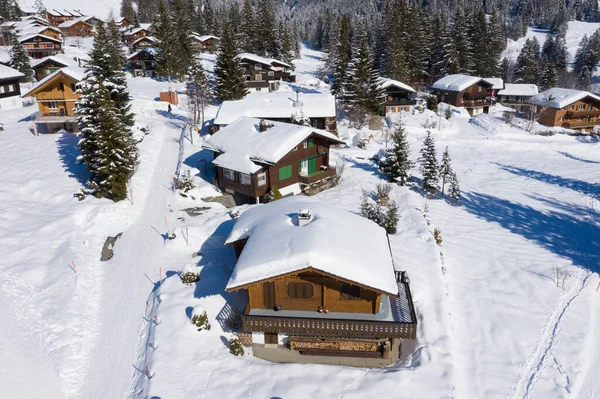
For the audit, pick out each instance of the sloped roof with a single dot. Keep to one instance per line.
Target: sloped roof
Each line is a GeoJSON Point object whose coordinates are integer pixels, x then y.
{"type": "Point", "coordinates": [150, 38]}
{"type": "Point", "coordinates": [335, 241]}
{"type": "Point", "coordinates": [73, 72]}
{"type": "Point", "coordinates": [241, 144]}
{"type": "Point", "coordinates": [557, 97]}
{"type": "Point", "coordinates": [276, 105]}
{"type": "Point", "coordinates": [498, 83]}
{"type": "Point", "coordinates": [519, 89]}
{"type": "Point", "coordinates": [27, 37]}
{"type": "Point", "coordinates": [384, 83]}
{"type": "Point", "coordinates": [58, 58]}
{"type": "Point", "coordinates": [68, 24]}
{"type": "Point", "coordinates": [262, 60]}
{"type": "Point", "coordinates": [457, 82]}
{"type": "Point", "coordinates": [134, 31]}
{"type": "Point", "coordinates": [151, 51]}
{"type": "Point", "coordinates": [9, 73]}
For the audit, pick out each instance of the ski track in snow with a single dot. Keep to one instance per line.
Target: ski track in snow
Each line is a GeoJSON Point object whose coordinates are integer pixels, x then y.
{"type": "Point", "coordinates": [538, 360]}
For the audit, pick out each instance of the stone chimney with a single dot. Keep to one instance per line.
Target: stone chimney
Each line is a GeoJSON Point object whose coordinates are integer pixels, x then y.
{"type": "Point", "coordinates": [304, 217]}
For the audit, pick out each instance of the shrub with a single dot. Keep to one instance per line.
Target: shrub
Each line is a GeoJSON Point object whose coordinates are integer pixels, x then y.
{"type": "Point", "coordinates": [189, 277]}
{"type": "Point", "coordinates": [235, 347]}
{"type": "Point", "coordinates": [185, 182]}
{"type": "Point", "coordinates": [448, 113]}
{"type": "Point", "coordinates": [437, 235]}
{"type": "Point", "coordinates": [383, 193]}
{"type": "Point", "coordinates": [391, 218]}
{"type": "Point", "coordinates": [200, 319]}
{"type": "Point", "coordinates": [275, 194]}
{"type": "Point", "coordinates": [234, 320]}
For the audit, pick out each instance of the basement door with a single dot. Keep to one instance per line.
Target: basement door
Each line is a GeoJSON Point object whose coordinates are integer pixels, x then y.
{"type": "Point", "coordinates": [269, 295]}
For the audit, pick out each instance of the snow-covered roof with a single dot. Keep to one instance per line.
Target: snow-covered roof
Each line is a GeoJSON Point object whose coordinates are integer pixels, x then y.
{"type": "Point", "coordinates": [241, 144]}
{"type": "Point", "coordinates": [519, 89]}
{"type": "Point", "coordinates": [4, 57]}
{"type": "Point", "coordinates": [73, 72]}
{"type": "Point", "coordinates": [61, 59]}
{"type": "Point", "coordinates": [498, 83]}
{"type": "Point", "coordinates": [135, 30]}
{"type": "Point", "coordinates": [9, 73]}
{"type": "Point", "coordinates": [151, 51]}
{"type": "Point", "coordinates": [457, 82]}
{"type": "Point", "coordinates": [68, 24]}
{"type": "Point", "coordinates": [203, 38]}
{"type": "Point", "coordinates": [262, 60]}
{"type": "Point", "coordinates": [150, 38]}
{"type": "Point", "coordinates": [557, 97]}
{"type": "Point", "coordinates": [335, 241]}
{"type": "Point", "coordinates": [31, 29]}
{"type": "Point", "coordinates": [384, 83]}
{"type": "Point", "coordinates": [276, 105]}
{"type": "Point", "coordinates": [27, 37]}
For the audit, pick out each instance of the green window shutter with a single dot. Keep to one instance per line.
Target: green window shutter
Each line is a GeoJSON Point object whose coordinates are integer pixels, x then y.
{"type": "Point", "coordinates": [310, 143]}
{"type": "Point", "coordinates": [285, 172]}
{"type": "Point", "coordinates": [312, 166]}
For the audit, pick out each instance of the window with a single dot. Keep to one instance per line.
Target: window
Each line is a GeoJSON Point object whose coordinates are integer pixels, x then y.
{"type": "Point", "coordinates": [295, 148]}
{"type": "Point", "coordinates": [349, 292]}
{"type": "Point", "coordinates": [245, 179]}
{"type": "Point", "coordinates": [1, 89]}
{"type": "Point", "coordinates": [258, 76]}
{"type": "Point", "coordinates": [61, 86]}
{"type": "Point", "coordinates": [479, 88]}
{"type": "Point", "coordinates": [229, 174]}
{"type": "Point", "coordinates": [271, 73]}
{"type": "Point", "coordinates": [73, 89]}
{"type": "Point", "coordinates": [300, 290]}
{"type": "Point", "coordinates": [257, 67]}
{"type": "Point", "coordinates": [285, 172]}
{"type": "Point", "coordinates": [262, 179]}
{"type": "Point", "coordinates": [53, 105]}
{"type": "Point", "coordinates": [11, 88]}
{"type": "Point", "coordinates": [305, 144]}
{"type": "Point", "coordinates": [581, 106]}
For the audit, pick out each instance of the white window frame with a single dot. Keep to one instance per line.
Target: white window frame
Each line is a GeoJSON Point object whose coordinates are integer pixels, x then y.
{"type": "Point", "coordinates": [2, 89]}
{"type": "Point", "coordinates": [245, 179]}
{"type": "Point", "coordinates": [257, 67]}
{"type": "Point", "coordinates": [271, 73]}
{"type": "Point", "coordinates": [51, 103]}
{"type": "Point", "coordinates": [261, 178]}
{"type": "Point", "coordinates": [228, 174]}
{"type": "Point", "coordinates": [478, 88]}
{"type": "Point", "coordinates": [305, 144]}
{"type": "Point", "coordinates": [11, 88]}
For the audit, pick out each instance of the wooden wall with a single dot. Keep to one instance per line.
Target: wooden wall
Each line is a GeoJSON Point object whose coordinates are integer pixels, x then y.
{"type": "Point", "coordinates": [52, 92]}
{"type": "Point", "coordinates": [572, 114]}
{"type": "Point", "coordinates": [326, 292]}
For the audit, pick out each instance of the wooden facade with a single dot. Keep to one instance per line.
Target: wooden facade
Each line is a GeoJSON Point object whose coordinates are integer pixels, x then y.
{"type": "Point", "coordinates": [263, 76]}
{"type": "Point", "coordinates": [582, 115]}
{"type": "Point", "coordinates": [40, 46]}
{"type": "Point", "coordinates": [48, 67]}
{"type": "Point", "coordinates": [78, 28]}
{"type": "Point", "coordinates": [143, 42]}
{"type": "Point", "coordinates": [56, 17]}
{"type": "Point", "coordinates": [143, 63]}
{"type": "Point", "coordinates": [475, 98]}
{"type": "Point", "coordinates": [398, 99]}
{"type": "Point", "coordinates": [306, 164]}
{"type": "Point", "coordinates": [10, 92]}
{"type": "Point", "coordinates": [135, 34]}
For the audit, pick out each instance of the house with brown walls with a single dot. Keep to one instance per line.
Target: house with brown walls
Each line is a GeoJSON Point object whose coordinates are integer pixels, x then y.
{"type": "Point", "coordinates": [77, 27]}
{"type": "Point", "coordinates": [399, 97]}
{"type": "Point", "coordinates": [48, 65]}
{"type": "Point", "coordinates": [206, 43]}
{"type": "Point", "coordinates": [516, 95]}
{"type": "Point", "coordinates": [463, 91]}
{"type": "Point", "coordinates": [315, 109]}
{"type": "Point", "coordinates": [56, 17]}
{"type": "Point", "coordinates": [56, 96]}
{"type": "Point", "coordinates": [143, 42]}
{"type": "Point", "coordinates": [264, 74]}
{"type": "Point", "coordinates": [131, 35]}
{"type": "Point", "coordinates": [122, 22]}
{"type": "Point", "coordinates": [10, 90]}
{"type": "Point", "coordinates": [143, 62]}
{"type": "Point", "coordinates": [40, 46]}
{"type": "Point", "coordinates": [251, 156]}
{"type": "Point", "coordinates": [567, 108]}
{"type": "Point", "coordinates": [320, 285]}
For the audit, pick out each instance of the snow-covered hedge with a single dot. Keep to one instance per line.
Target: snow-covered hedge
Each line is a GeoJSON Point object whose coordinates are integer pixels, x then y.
{"type": "Point", "coordinates": [200, 318]}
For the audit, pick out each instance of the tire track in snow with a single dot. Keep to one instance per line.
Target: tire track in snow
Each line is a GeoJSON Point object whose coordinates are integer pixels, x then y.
{"type": "Point", "coordinates": [537, 361]}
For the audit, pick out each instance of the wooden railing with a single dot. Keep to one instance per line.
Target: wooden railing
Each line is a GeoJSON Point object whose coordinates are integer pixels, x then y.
{"type": "Point", "coordinates": [330, 327]}
{"type": "Point", "coordinates": [582, 113]}
{"type": "Point", "coordinates": [575, 124]}
{"type": "Point", "coordinates": [323, 174]}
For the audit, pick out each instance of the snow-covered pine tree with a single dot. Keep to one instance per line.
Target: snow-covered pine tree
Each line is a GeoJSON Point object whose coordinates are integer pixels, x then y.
{"type": "Point", "coordinates": [182, 29]}
{"type": "Point", "coordinates": [266, 29]}
{"type": "Point", "coordinates": [547, 75]}
{"type": "Point", "coordinates": [445, 169]}
{"type": "Point", "coordinates": [496, 41]}
{"type": "Point", "coordinates": [285, 39]}
{"type": "Point", "coordinates": [417, 39]}
{"type": "Point", "coordinates": [454, 190]}
{"type": "Point", "coordinates": [526, 69]}
{"type": "Point", "coordinates": [247, 36]}
{"type": "Point", "coordinates": [19, 60]}
{"type": "Point", "coordinates": [390, 220]}
{"type": "Point", "coordinates": [429, 165]}
{"type": "Point", "coordinates": [198, 91]}
{"type": "Point", "coordinates": [299, 118]}
{"type": "Point", "coordinates": [362, 85]}
{"type": "Point", "coordinates": [397, 164]}
{"type": "Point", "coordinates": [40, 9]}
{"type": "Point", "coordinates": [341, 57]}
{"type": "Point", "coordinates": [436, 56]}
{"type": "Point", "coordinates": [395, 47]}
{"type": "Point", "coordinates": [230, 83]}
{"type": "Point", "coordinates": [166, 46]}
{"type": "Point", "coordinates": [461, 36]}
{"type": "Point", "coordinates": [127, 10]}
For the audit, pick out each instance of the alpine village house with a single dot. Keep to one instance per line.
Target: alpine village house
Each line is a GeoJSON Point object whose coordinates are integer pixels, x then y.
{"type": "Point", "coordinates": [516, 95]}
{"type": "Point", "coordinates": [10, 90]}
{"type": "Point", "coordinates": [398, 96]}
{"type": "Point", "coordinates": [56, 96]}
{"type": "Point", "coordinates": [463, 91]}
{"type": "Point", "coordinates": [264, 74]}
{"type": "Point", "coordinates": [253, 156]}
{"type": "Point", "coordinates": [571, 109]}
{"type": "Point", "coordinates": [320, 284]}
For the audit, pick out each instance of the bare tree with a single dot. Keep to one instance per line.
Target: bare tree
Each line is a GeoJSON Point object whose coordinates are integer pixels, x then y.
{"type": "Point", "coordinates": [535, 114]}
{"type": "Point", "coordinates": [560, 276]}
{"type": "Point", "coordinates": [199, 94]}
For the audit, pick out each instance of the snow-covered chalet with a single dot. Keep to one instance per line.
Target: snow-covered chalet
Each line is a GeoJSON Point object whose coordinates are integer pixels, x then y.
{"type": "Point", "coordinates": [516, 95]}
{"type": "Point", "coordinates": [264, 74]}
{"type": "Point", "coordinates": [10, 91]}
{"type": "Point", "coordinates": [252, 156]}
{"type": "Point", "coordinates": [320, 284]}
{"type": "Point", "coordinates": [470, 92]}
{"type": "Point", "coordinates": [571, 109]}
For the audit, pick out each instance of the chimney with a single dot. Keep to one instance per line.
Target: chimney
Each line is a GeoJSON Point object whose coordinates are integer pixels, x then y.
{"type": "Point", "coordinates": [263, 125]}
{"type": "Point", "coordinates": [304, 217]}
{"type": "Point", "coordinates": [297, 103]}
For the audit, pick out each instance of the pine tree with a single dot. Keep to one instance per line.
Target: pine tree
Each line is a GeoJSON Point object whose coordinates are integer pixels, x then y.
{"type": "Point", "coordinates": [445, 169]}
{"type": "Point", "coordinates": [127, 10]}
{"type": "Point", "coordinates": [286, 40]}
{"type": "Point", "coordinates": [247, 37]}
{"type": "Point", "coordinates": [429, 165]}
{"type": "Point", "coordinates": [19, 60]}
{"type": "Point", "coordinates": [266, 29]}
{"type": "Point", "coordinates": [166, 57]}
{"type": "Point", "coordinates": [183, 51]}
{"type": "Point", "coordinates": [40, 9]}
{"type": "Point", "coordinates": [342, 54]}
{"type": "Point", "coordinates": [526, 67]}
{"type": "Point", "coordinates": [362, 85]}
{"type": "Point", "coordinates": [397, 164]}
{"type": "Point", "coordinates": [454, 190]}
{"type": "Point", "coordinates": [230, 83]}
{"type": "Point", "coordinates": [390, 221]}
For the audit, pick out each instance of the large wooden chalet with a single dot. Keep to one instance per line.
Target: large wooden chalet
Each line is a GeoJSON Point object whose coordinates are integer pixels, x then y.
{"type": "Point", "coordinates": [264, 74]}
{"type": "Point", "coordinates": [48, 65]}
{"type": "Point", "coordinates": [56, 96]}
{"type": "Point", "coordinates": [77, 27]}
{"type": "Point", "coordinates": [143, 42]}
{"type": "Point", "coordinates": [56, 17]}
{"type": "Point", "coordinates": [463, 91]}
{"type": "Point", "coordinates": [206, 43]}
{"type": "Point", "coordinates": [10, 91]}
{"type": "Point", "coordinates": [317, 109]}
{"type": "Point", "coordinates": [251, 156]}
{"type": "Point", "coordinates": [320, 284]}
{"type": "Point", "coordinates": [398, 96]}
{"type": "Point", "coordinates": [570, 109]}
{"type": "Point", "coordinates": [131, 35]}
{"type": "Point", "coordinates": [40, 46]}
{"type": "Point", "coordinates": [143, 62]}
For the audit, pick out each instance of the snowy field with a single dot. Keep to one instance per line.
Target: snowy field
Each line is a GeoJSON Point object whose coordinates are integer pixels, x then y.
{"type": "Point", "coordinates": [492, 323]}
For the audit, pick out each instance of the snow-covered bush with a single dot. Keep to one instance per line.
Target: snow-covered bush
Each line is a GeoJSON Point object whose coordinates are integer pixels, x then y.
{"type": "Point", "coordinates": [390, 221]}
{"type": "Point", "coordinates": [383, 194]}
{"type": "Point", "coordinates": [189, 278]}
{"type": "Point", "coordinates": [374, 212]}
{"type": "Point", "coordinates": [81, 194]}
{"type": "Point", "coordinates": [274, 194]}
{"type": "Point", "coordinates": [200, 318]}
{"type": "Point", "coordinates": [448, 113]}
{"type": "Point", "coordinates": [185, 182]}
{"type": "Point", "coordinates": [235, 347]}
{"type": "Point", "coordinates": [437, 235]}
{"type": "Point", "coordinates": [234, 320]}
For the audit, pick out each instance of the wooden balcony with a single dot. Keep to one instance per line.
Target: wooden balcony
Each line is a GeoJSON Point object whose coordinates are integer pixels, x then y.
{"type": "Point", "coordinates": [320, 175]}
{"type": "Point", "coordinates": [580, 124]}
{"type": "Point", "coordinates": [582, 113]}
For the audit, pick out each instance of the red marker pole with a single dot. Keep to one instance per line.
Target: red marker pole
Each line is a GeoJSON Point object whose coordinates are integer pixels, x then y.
{"type": "Point", "coordinates": [160, 274]}
{"type": "Point", "coordinates": [74, 267]}
{"type": "Point", "coordinates": [187, 237]}
{"type": "Point", "coordinates": [598, 287]}
{"type": "Point", "coordinates": [165, 220]}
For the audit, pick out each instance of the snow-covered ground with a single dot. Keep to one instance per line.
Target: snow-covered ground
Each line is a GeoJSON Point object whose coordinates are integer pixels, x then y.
{"type": "Point", "coordinates": [492, 324]}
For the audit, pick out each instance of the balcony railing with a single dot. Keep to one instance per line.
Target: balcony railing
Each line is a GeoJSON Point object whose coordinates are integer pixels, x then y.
{"type": "Point", "coordinates": [582, 113]}
{"type": "Point", "coordinates": [400, 101]}
{"type": "Point", "coordinates": [320, 175]}
{"type": "Point", "coordinates": [578, 124]}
